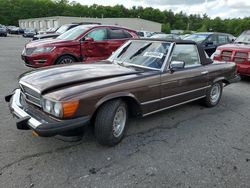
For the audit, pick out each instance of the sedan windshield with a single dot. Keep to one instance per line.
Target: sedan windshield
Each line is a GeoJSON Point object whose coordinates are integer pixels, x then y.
{"type": "Point", "coordinates": [196, 37]}
{"type": "Point", "coordinates": [73, 34]}
{"type": "Point", "coordinates": [149, 54]}
{"type": "Point", "coordinates": [244, 38]}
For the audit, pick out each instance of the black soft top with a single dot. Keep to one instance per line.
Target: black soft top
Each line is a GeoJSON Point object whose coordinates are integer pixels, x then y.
{"type": "Point", "coordinates": [203, 57]}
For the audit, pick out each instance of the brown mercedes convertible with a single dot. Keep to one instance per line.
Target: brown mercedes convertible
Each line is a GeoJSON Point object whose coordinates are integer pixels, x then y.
{"type": "Point", "coordinates": [141, 78]}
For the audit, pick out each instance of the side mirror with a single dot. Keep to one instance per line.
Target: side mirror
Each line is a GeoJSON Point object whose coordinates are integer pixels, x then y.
{"type": "Point", "coordinates": [87, 39]}
{"type": "Point", "coordinates": [177, 65]}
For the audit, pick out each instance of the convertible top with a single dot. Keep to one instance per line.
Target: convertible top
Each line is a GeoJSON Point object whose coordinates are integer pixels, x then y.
{"type": "Point", "coordinates": [177, 41]}
{"type": "Point", "coordinates": [204, 59]}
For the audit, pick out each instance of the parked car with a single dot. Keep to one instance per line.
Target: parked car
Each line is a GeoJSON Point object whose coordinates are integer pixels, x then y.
{"type": "Point", "coordinates": [55, 34]}
{"type": "Point", "coordinates": [238, 52]}
{"type": "Point", "coordinates": [83, 43]}
{"type": "Point", "coordinates": [144, 34]}
{"type": "Point", "coordinates": [141, 78]}
{"type": "Point", "coordinates": [3, 31]}
{"type": "Point", "coordinates": [165, 36]}
{"type": "Point", "coordinates": [210, 40]}
{"type": "Point", "coordinates": [51, 30]}
{"type": "Point", "coordinates": [29, 32]}
{"type": "Point", "coordinates": [13, 30]}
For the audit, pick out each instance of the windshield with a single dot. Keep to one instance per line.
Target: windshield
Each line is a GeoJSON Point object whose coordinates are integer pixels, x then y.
{"type": "Point", "coordinates": [149, 54]}
{"type": "Point", "coordinates": [62, 29]}
{"type": "Point", "coordinates": [244, 37]}
{"type": "Point", "coordinates": [196, 37]}
{"type": "Point", "coordinates": [73, 34]}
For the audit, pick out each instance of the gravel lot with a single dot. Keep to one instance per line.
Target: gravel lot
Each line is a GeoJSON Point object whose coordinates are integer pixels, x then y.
{"type": "Point", "coordinates": [189, 146]}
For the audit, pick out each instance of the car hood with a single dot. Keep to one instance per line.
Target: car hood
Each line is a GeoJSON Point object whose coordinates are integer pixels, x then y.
{"type": "Point", "coordinates": [48, 35]}
{"type": "Point", "coordinates": [235, 46]}
{"type": "Point", "coordinates": [47, 42]}
{"type": "Point", "coordinates": [48, 79]}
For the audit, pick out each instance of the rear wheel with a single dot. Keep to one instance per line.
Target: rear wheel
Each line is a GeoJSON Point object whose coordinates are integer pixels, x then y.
{"type": "Point", "coordinates": [213, 95]}
{"type": "Point", "coordinates": [110, 122]}
{"type": "Point", "coordinates": [66, 59]}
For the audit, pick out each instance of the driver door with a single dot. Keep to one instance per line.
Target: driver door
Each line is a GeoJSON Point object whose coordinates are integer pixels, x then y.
{"type": "Point", "coordinates": [185, 84]}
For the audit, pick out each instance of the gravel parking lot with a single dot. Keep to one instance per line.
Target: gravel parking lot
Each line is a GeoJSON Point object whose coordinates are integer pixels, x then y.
{"type": "Point", "coordinates": [188, 146]}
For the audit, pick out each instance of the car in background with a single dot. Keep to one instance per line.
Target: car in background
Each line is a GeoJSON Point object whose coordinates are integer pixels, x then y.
{"type": "Point", "coordinates": [13, 30]}
{"type": "Point", "coordinates": [142, 77]}
{"type": "Point", "coordinates": [238, 52]}
{"type": "Point", "coordinates": [85, 43]}
{"type": "Point", "coordinates": [165, 36]}
{"type": "Point", "coordinates": [144, 34]}
{"type": "Point", "coordinates": [55, 34]}
{"type": "Point", "coordinates": [210, 40]}
{"type": "Point", "coordinates": [29, 32]}
{"type": "Point", "coordinates": [3, 31]}
{"type": "Point", "coordinates": [51, 30]}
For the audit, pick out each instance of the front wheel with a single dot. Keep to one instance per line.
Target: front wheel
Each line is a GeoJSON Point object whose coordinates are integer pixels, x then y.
{"type": "Point", "coordinates": [213, 95]}
{"type": "Point", "coordinates": [110, 122]}
{"type": "Point", "coordinates": [66, 59]}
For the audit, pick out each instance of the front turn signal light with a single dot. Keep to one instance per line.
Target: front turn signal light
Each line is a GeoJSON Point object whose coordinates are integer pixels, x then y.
{"type": "Point", "coordinates": [69, 108]}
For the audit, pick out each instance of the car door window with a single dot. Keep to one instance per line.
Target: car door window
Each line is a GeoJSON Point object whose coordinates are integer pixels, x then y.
{"type": "Point", "coordinates": [222, 39]}
{"type": "Point", "coordinates": [98, 34]}
{"type": "Point", "coordinates": [187, 53]}
{"type": "Point", "coordinates": [213, 39]}
{"type": "Point", "coordinates": [117, 33]}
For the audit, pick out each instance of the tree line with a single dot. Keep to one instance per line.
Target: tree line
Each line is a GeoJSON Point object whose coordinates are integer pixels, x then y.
{"type": "Point", "coordinates": [13, 10]}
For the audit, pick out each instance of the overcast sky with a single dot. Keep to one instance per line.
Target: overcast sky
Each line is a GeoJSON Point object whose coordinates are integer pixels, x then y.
{"type": "Point", "coordinates": [213, 8]}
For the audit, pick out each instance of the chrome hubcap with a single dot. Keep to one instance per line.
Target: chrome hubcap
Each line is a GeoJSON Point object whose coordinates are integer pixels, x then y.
{"type": "Point", "coordinates": [215, 93]}
{"type": "Point", "coordinates": [66, 61]}
{"type": "Point", "coordinates": [119, 121]}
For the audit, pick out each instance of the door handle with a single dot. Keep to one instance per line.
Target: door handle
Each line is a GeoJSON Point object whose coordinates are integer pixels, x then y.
{"type": "Point", "coordinates": [204, 72]}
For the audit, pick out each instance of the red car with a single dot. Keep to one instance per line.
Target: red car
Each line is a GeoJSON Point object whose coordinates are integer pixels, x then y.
{"type": "Point", "coordinates": [238, 52]}
{"type": "Point", "coordinates": [85, 43]}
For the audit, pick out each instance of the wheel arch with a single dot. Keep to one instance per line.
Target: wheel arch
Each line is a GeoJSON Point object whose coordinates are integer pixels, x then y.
{"type": "Point", "coordinates": [221, 79]}
{"type": "Point", "coordinates": [133, 104]}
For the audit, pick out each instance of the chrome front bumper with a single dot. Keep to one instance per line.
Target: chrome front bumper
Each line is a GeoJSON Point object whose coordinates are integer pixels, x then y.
{"type": "Point", "coordinates": [16, 109]}
{"type": "Point", "coordinates": [41, 123]}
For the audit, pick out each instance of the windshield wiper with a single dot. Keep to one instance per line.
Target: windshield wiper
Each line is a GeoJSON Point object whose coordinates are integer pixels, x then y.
{"type": "Point", "coordinates": [242, 42]}
{"type": "Point", "coordinates": [140, 50]}
{"type": "Point", "coordinates": [124, 50]}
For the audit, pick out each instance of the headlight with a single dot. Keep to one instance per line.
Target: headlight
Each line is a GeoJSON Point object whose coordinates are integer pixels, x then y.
{"type": "Point", "coordinates": [60, 109]}
{"type": "Point", "coordinates": [48, 106]}
{"type": "Point", "coordinates": [217, 52]}
{"type": "Point", "coordinates": [43, 49]}
{"type": "Point", "coordinates": [57, 109]}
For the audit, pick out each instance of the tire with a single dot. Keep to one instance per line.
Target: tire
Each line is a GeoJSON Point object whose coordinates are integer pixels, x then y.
{"type": "Point", "coordinates": [66, 59]}
{"type": "Point", "coordinates": [214, 94]}
{"type": "Point", "coordinates": [110, 122]}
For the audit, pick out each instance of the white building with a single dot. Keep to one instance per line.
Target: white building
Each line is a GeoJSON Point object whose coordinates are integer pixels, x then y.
{"type": "Point", "coordinates": [56, 21]}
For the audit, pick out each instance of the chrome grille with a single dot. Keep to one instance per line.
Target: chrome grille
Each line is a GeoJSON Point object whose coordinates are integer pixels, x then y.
{"type": "Point", "coordinates": [239, 60]}
{"type": "Point", "coordinates": [31, 96]}
{"type": "Point", "coordinates": [227, 53]}
{"type": "Point", "coordinates": [241, 54]}
{"type": "Point", "coordinates": [29, 51]}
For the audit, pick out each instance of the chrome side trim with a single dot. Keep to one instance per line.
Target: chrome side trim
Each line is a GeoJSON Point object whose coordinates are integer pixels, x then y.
{"type": "Point", "coordinates": [191, 91]}
{"type": "Point", "coordinates": [19, 112]}
{"type": "Point", "coordinates": [176, 95]}
{"type": "Point", "coordinates": [173, 106]}
{"type": "Point", "coordinates": [149, 102]}
{"type": "Point", "coordinates": [30, 86]}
